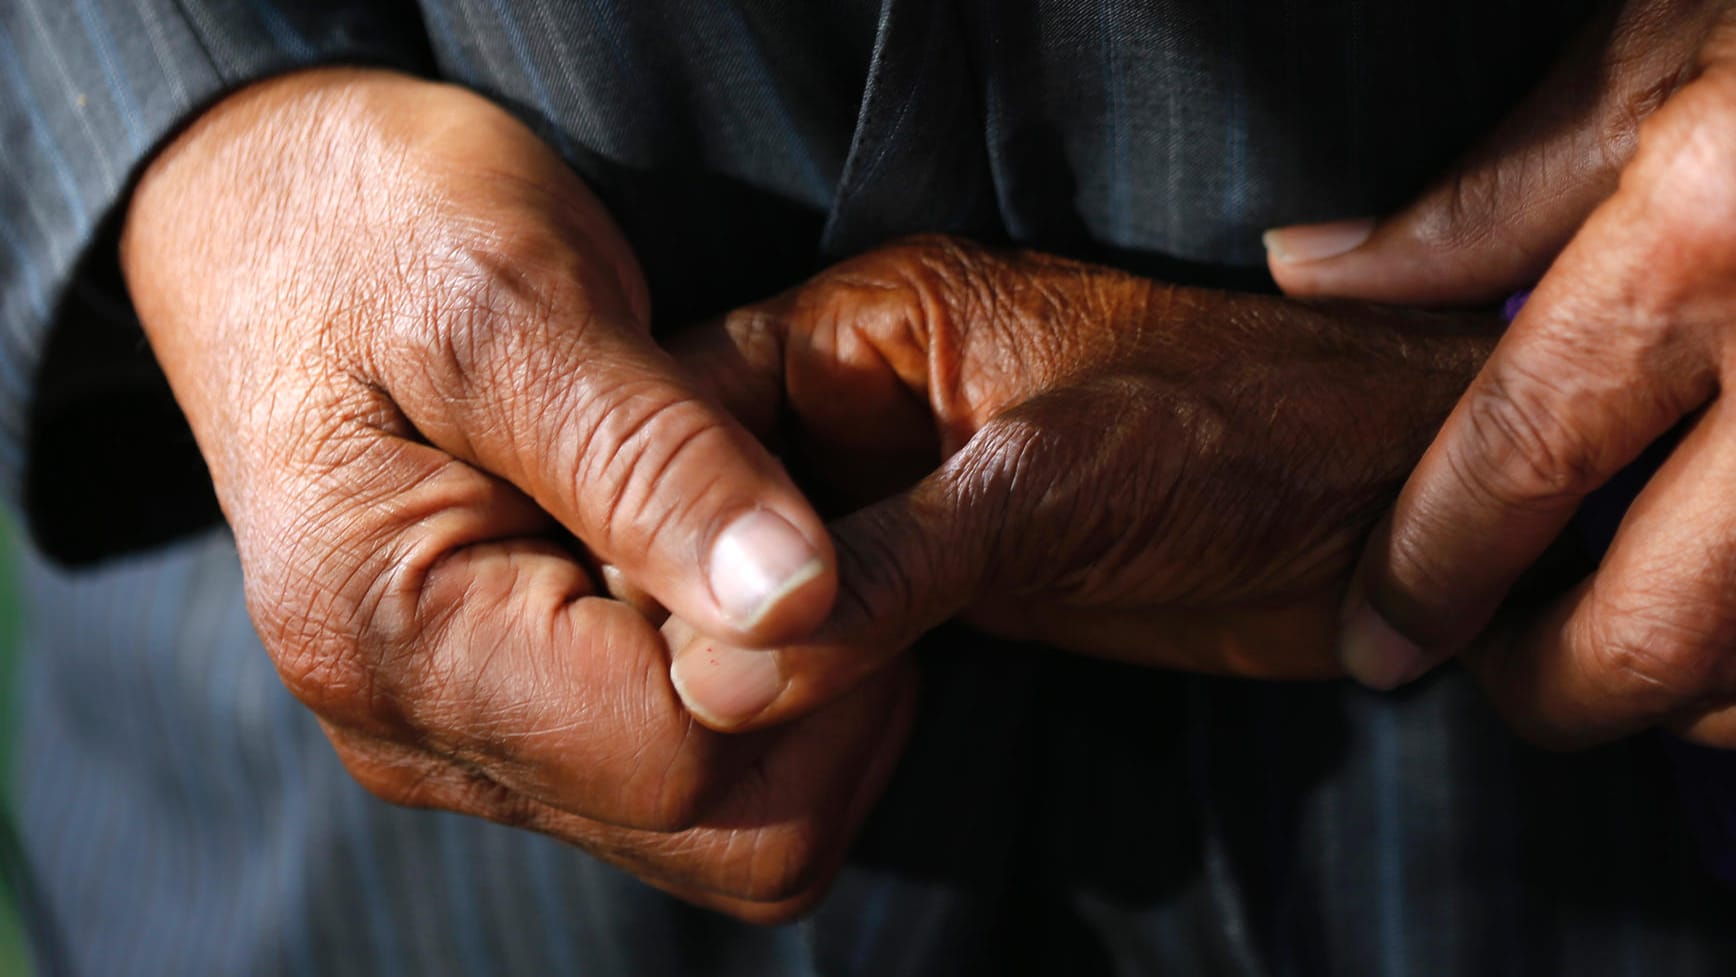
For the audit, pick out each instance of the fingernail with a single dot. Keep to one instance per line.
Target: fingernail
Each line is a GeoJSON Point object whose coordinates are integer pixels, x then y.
{"type": "Point", "coordinates": [1315, 242]}
{"type": "Point", "coordinates": [757, 562]}
{"type": "Point", "coordinates": [725, 686]}
{"type": "Point", "coordinates": [1375, 654]}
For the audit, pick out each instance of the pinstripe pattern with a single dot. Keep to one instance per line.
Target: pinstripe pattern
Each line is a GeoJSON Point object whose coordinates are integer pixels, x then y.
{"type": "Point", "coordinates": [184, 815]}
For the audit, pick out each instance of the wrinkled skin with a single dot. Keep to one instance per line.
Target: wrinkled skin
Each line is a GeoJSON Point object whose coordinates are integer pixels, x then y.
{"type": "Point", "coordinates": [1613, 188]}
{"type": "Point", "coordinates": [1173, 477]}
{"type": "Point", "coordinates": [415, 353]}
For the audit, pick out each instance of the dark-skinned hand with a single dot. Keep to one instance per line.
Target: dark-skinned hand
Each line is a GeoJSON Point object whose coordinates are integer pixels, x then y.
{"type": "Point", "coordinates": [415, 353]}
{"type": "Point", "coordinates": [1614, 188]}
{"type": "Point", "coordinates": [1175, 477]}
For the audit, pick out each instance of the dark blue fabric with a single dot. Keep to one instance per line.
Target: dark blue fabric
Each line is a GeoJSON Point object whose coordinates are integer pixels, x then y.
{"type": "Point", "coordinates": [184, 815]}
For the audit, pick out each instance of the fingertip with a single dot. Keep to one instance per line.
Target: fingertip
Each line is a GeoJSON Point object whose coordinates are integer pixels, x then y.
{"type": "Point", "coordinates": [1375, 654]}
{"type": "Point", "coordinates": [1301, 244]}
{"type": "Point", "coordinates": [618, 585]}
{"type": "Point", "coordinates": [724, 687]}
{"type": "Point", "coordinates": [1372, 651]}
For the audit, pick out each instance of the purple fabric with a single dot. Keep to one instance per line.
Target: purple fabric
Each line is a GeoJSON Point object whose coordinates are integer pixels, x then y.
{"type": "Point", "coordinates": [1705, 778]}
{"type": "Point", "coordinates": [1514, 304]}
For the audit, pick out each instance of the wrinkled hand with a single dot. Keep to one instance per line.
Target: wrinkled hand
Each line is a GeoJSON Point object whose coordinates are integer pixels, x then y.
{"type": "Point", "coordinates": [1168, 476]}
{"type": "Point", "coordinates": [414, 351]}
{"type": "Point", "coordinates": [1624, 162]}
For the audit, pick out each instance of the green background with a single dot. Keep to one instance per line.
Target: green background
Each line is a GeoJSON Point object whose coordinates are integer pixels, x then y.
{"type": "Point", "coordinates": [14, 956]}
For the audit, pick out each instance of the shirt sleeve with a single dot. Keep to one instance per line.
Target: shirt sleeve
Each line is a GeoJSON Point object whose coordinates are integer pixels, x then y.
{"type": "Point", "coordinates": [92, 449]}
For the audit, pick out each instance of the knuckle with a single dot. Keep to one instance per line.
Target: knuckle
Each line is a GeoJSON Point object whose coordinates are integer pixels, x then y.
{"type": "Point", "coordinates": [896, 290]}
{"type": "Point", "coordinates": [943, 312]}
{"type": "Point", "coordinates": [1648, 58]}
{"type": "Point", "coordinates": [328, 680]}
{"type": "Point", "coordinates": [944, 281]}
{"type": "Point", "coordinates": [300, 601]}
{"type": "Point", "coordinates": [758, 331]}
{"type": "Point", "coordinates": [855, 316]}
{"type": "Point", "coordinates": [1521, 447]}
{"type": "Point", "coordinates": [1000, 483]}
{"type": "Point", "coordinates": [966, 297]}
{"type": "Point", "coordinates": [1619, 132]}
{"type": "Point", "coordinates": [877, 313]}
{"type": "Point", "coordinates": [349, 607]}
{"type": "Point", "coordinates": [1037, 488]}
{"type": "Point", "coordinates": [669, 795]}
{"type": "Point", "coordinates": [604, 750]}
{"type": "Point", "coordinates": [1672, 640]}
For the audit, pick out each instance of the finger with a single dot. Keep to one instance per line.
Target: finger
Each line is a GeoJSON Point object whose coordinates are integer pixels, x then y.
{"type": "Point", "coordinates": [439, 620]}
{"type": "Point", "coordinates": [1621, 340]}
{"type": "Point", "coordinates": [537, 377]}
{"type": "Point", "coordinates": [843, 355]}
{"type": "Point", "coordinates": [906, 565]}
{"type": "Point", "coordinates": [1497, 220]}
{"type": "Point", "coordinates": [617, 585]}
{"type": "Point", "coordinates": [1647, 639]}
{"type": "Point", "coordinates": [779, 836]}
{"type": "Point", "coordinates": [763, 852]}
{"type": "Point", "coordinates": [562, 696]}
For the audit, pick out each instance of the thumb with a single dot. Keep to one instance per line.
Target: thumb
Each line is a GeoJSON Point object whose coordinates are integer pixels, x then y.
{"type": "Point", "coordinates": [1494, 223]}
{"type": "Point", "coordinates": [605, 432]}
{"type": "Point", "coordinates": [905, 565]}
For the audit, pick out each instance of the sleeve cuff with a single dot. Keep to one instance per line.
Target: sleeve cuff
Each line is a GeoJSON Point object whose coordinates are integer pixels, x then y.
{"type": "Point", "coordinates": [92, 446]}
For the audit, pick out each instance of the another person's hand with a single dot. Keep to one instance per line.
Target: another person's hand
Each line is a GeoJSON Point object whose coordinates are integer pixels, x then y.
{"type": "Point", "coordinates": [1624, 163]}
{"type": "Point", "coordinates": [414, 350]}
{"type": "Point", "coordinates": [1168, 476]}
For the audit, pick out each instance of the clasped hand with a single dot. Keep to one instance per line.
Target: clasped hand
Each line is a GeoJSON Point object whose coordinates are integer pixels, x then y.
{"type": "Point", "coordinates": [416, 355]}
{"type": "Point", "coordinates": [1172, 477]}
